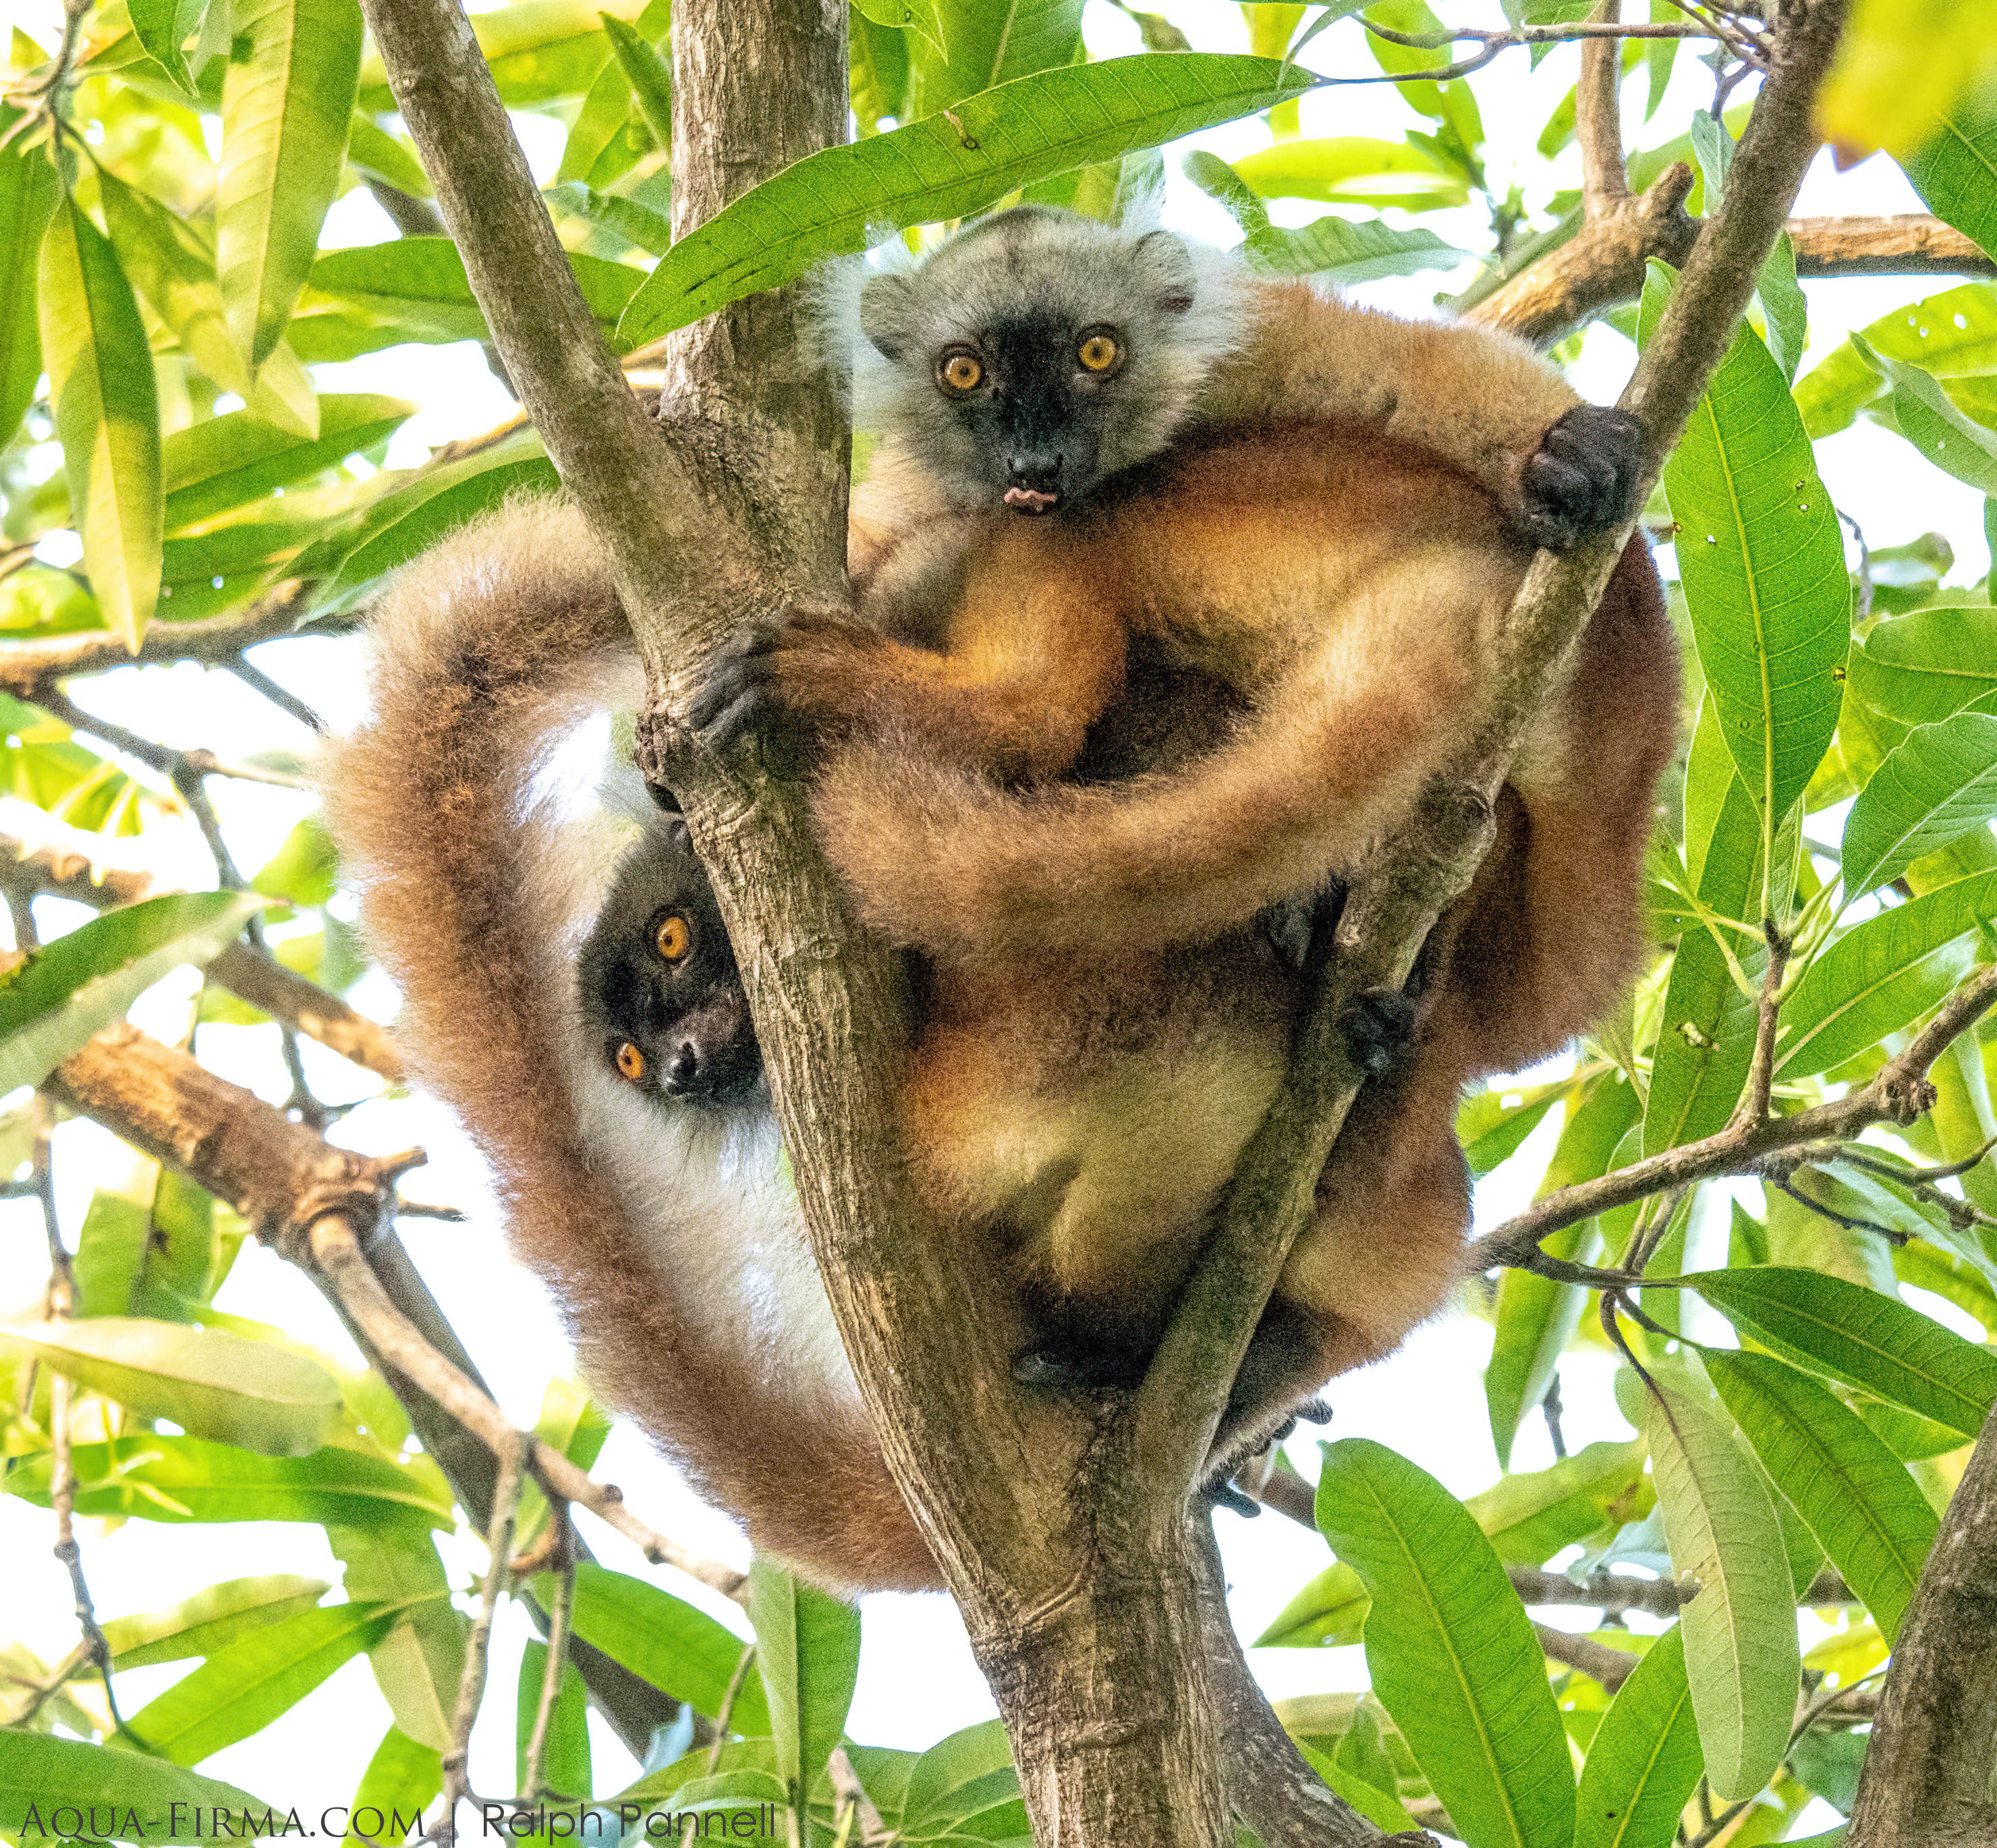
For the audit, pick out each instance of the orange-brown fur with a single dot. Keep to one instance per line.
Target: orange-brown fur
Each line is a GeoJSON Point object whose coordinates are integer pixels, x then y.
{"type": "Point", "coordinates": [487, 654]}
{"type": "Point", "coordinates": [1346, 587]}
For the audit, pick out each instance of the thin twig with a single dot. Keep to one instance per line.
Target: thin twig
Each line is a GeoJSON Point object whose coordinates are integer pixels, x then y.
{"type": "Point", "coordinates": [471, 1684]}
{"type": "Point", "coordinates": [562, 1552]}
{"type": "Point", "coordinates": [1611, 1667]}
{"type": "Point", "coordinates": [1753, 1107]}
{"type": "Point", "coordinates": [278, 694]}
{"type": "Point", "coordinates": [1898, 1093]}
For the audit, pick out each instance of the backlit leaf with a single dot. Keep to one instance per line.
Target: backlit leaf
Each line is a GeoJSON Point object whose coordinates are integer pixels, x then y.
{"type": "Point", "coordinates": [1938, 783]}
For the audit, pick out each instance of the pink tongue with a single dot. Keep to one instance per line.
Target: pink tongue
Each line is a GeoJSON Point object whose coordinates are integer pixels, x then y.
{"type": "Point", "coordinates": [1033, 500]}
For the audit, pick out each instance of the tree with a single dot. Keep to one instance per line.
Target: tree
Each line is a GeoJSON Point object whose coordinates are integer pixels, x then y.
{"type": "Point", "coordinates": [1813, 991]}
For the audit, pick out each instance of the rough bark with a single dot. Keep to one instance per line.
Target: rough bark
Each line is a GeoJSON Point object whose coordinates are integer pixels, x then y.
{"type": "Point", "coordinates": [1930, 1776]}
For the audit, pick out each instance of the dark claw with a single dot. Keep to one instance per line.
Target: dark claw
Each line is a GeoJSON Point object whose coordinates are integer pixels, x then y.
{"type": "Point", "coordinates": [1314, 1411]}
{"type": "Point", "coordinates": [1379, 1028]}
{"type": "Point", "coordinates": [1583, 479]}
{"type": "Point", "coordinates": [1223, 1493]}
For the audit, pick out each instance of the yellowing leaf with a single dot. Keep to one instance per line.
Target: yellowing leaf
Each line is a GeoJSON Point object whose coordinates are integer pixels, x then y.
{"type": "Point", "coordinates": [1901, 65]}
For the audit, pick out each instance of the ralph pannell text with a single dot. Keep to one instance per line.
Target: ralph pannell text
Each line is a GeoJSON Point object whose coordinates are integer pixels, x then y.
{"type": "Point", "coordinates": [604, 1822]}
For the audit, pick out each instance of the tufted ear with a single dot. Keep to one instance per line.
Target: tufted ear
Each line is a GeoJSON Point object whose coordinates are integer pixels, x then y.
{"type": "Point", "coordinates": [885, 305]}
{"type": "Point", "coordinates": [1167, 265]}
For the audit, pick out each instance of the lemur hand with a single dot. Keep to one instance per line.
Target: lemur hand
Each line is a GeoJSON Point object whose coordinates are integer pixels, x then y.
{"type": "Point", "coordinates": [1583, 479]}
{"type": "Point", "coordinates": [775, 672]}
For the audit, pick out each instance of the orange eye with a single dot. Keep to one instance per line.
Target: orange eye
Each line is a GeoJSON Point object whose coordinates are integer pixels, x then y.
{"type": "Point", "coordinates": [960, 372]}
{"type": "Point", "coordinates": [1098, 352]}
{"type": "Point", "coordinates": [673, 938]}
{"type": "Point", "coordinates": [630, 1062]}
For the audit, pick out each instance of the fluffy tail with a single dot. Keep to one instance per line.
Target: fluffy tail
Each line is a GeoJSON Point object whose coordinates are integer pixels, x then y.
{"type": "Point", "coordinates": [475, 887]}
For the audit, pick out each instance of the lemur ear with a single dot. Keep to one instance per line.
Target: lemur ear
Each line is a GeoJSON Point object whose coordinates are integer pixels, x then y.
{"type": "Point", "coordinates": [663, 798]}
{"type": "Point", "coordinates": [678, 836]}
{"type": "Point", "coordinates": [885, 303]}
{"type": "Point", "coordinates": [1168, 265]}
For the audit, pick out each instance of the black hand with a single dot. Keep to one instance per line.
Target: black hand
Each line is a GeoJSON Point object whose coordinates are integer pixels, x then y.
{"type": "Point", "coordinates": [1583, 479]}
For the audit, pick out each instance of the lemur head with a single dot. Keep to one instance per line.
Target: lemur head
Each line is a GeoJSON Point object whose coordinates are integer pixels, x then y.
{"type": "Point", "coordinates": [1038, 353]}
{"type": "Point", "coordinates": [660, 991]}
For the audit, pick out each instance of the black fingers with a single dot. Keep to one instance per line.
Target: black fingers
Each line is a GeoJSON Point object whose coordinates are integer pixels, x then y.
{"type": "Point", "coordinates": [736, 693]}
{"type": "Point", "coordinates": [1379, 1025]}
{"type": "Point", "coordinates": [1583, 479]}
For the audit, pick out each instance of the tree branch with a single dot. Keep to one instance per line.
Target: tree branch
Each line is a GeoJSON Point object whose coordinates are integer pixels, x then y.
{"type": "Point", "coordinates": [1930, 1780]}
{"type": "Point", "coordinates": [1908, 243]}
{"type": "Point", "coordinates": [1897, 1093]}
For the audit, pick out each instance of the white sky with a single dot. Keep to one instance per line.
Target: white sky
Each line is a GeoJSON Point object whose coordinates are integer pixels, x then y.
{"type": "Point", "coordinates": [918, 1681]}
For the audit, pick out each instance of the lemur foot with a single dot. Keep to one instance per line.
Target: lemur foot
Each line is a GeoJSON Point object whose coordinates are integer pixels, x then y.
{"type": "Point", "coordinates": [1378, 1025]}
{"type": "Point", "coordinates": [1582, 480]}
{"type": "Point", "coordinates": [738, 691]}
{"type": "Point", "coordinates": [1222, 1494]}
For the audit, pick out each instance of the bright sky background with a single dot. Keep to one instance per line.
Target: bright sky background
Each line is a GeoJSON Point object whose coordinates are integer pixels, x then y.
{"type": "Point", "coordinates": [918, 1681]}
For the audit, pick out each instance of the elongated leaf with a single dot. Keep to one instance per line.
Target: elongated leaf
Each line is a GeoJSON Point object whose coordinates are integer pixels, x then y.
{"type": "Point", "coordinates": [958, 1777]}
{"type": "Point", "coordinates": [838, 201]}
{"type": "Point", "coordinates": [27, 193]}
{"type": "Point", "coordinates": [1381, 1807]}
{"type": "Point", "coordinates": [172, 266]}
{"type": "Point", "coordinates": [241, 1689]}
{"type": "Point", "coordinates": [637, 225]}
{"type": "Point", "coordinates": [211, 1385]}
{"type": "Point", "coordinates": [1528, 1519]}
{"type": "Point", "coordinates": [1340, 247]}
{"type": "Point", "coordinates": [399, 1785]}
{"type": "Point", "coordinates": [1882, 974]}
{"type": "Point", "coordinates": [1535, 1316]}
{"type": "Point", "coordinates": [650, 77]}
{"type": "Point", "coordinates": [1924, 413]}
{"type": "Point", "coordinates": [211, 1619]}
{"type": "Point", "coordinates": [1762, 562]}
{"type": "Point", "coordinates": [662, 1640]}
{"type": "Point", "coordinates": [565, 1760]}
{"type": "Point", "coordinates": [1853, 1493]}
{"type": "Point", "coordinates": [163, 27]}
{"type": "Point", "coordinates": [372, 148]}
{"type": "Point", "coordinates": [1327, 1612]}
{"type": "Point", "coordinates": [1452, 1657]}
{"type": "Point", "coordinates": [107, 415]}
{"type": "Point", "coordinates": [420, 283]}
{"type": "Point", "coordinates": [1644, 1759]}
{"type": "Point", "coordinates": [1740, 1630]}
{"type": "Point", "coordinates": [808, 1650]}
{"type": "Point", "coordinates": [285, 104]}
{"type": "Point", "coordinates": [230, 460]}
{"type": "Point", "coordinates": [1936, 785]}
{"type": "Point", "coordinates": [1857, 1335]}
{"type": "Point", "coordinates": [65, 991]}
{"type": "Point", "coordinates": [985, 46]}
{"type": "Point", "coordinates": [1706, 1038]}
{"type": "Point", "coordinates": [50, 1775]}
{"type": "Point", "coordinates": [1955, 172]}
{"type": "Point", "coordinates": [1355, 170]}
{"type": "Point", "coordinates": [156, 1478]}
{"type": "Point", "coordinates": [1928, 664]}
{"type": "Point", "coordinates": [1951, 335]}
{"type": "Point", "coordinates": [418, 1661]}
{"type": "Point", "coordinates": [1900, 69]}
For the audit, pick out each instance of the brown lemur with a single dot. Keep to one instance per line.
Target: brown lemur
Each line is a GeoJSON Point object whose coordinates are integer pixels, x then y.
{"type": "Point", "coordinates": [1100, 1041]}
{"type": "Point", "coordinates": [657, 1210]}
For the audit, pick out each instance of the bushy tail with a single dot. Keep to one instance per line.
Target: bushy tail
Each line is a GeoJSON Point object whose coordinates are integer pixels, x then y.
{"type": "Point", "coordinates": [475, 887]}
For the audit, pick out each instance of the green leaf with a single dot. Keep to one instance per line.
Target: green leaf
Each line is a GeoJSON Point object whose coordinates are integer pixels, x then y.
{"type": "Point", "coordinates": [1859, 1336]}
{"type": "Point", "coordinates": [66, 990]}
{"type": "Point", "coordinates": [163, 27]}
{"type": "Point", "coordinates": [1643, 1761]}
{"type": "Point", "coordinates": [807, 1651]}
{"type": "Point", "coordinates": [638, 226]}
{"type": "Point", "coordinates": [419, 283]}
{"type": "Point", "coordinates": [1853, 1493]}
{"type": "Point", "coordinates": [1325, 1614]}
{"type": "Point", "coordinates": [565, 1758]}
{"type": "Point", "coordinates": [1956, 172]}
{"type": "Point", "coordinates": [1762, 562]}
{"type": "Point", "coordinates": [1452, 1657]}
{"type": "Point", "coordinates": [1740, 1630]}
{"type": "Point", "coordinates": [1355, 170]}
{"type": "Point", "coordinates": [172, 266]}
{"type": "Point", "coordinates": [679, 1650]}
{"type": "Point", "coordinates": [965, 1778]}
{"type": "Point", "coordinates": [1928, 664]}
{"type": "Point", "coordinates": [230, 460]}
{"type": "Point", "coordinates": [839, 200]}
{"type": "Point", "coordinates": [159, 1478]}
{"type": "Point", "coordinates": [28, 190]}
{"type": "Point", "coordinates": [211, 1619]}
{"type": "Point", "coordinates": [922, 17]}
{"type": "Point", "coordinates": [1534, 1316]}
{"type": "Point", "coordinates": [650, 77]}
{"type": "Point", "coordinates": [286, 101]}
{"type": "Point", "coordinates": [385, 156]}
{"type": "Point", "coordinates": [419, 1663]}
{"type": "Point", "coordinates": [1529, 1517]}
{"type": "Point", "coordinates": [1938, 784]}
{"type": "Point", "coordinates": [107, 415]}
{"type": "Point", "coordinates": [1348, 250]}
{"type": "Point", "coordinates": [170, 1804]}
{"type": "Point", "coordinates": [1381, 1807]}
{"type": "Point", "coordinates": [241, 1689]}
{"type": "Point", "coordinates": [211, 1385]}
{"type": "Point", "coordinates": [1924, 413]}
{"type": "Point", "coordinates": [1882, 974]}
{"type": "Point", "coordinates": [1706, 1037]}
{"type": "Point", "coordinates": [989, 45]}
{"type": "Point", "coordinates": [1951, 334]}
{"type": "Point", "coordinates": [401, 1781]}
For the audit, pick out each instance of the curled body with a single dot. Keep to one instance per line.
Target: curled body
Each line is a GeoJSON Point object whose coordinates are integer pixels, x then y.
{"type": "Point", "coordinates": [1076, 1108]}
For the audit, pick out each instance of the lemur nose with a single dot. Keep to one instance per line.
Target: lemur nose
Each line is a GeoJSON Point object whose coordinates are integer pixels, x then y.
{"type": "Point", "coordinates": [683, 1068]}
{"type": "Point", "coordinates": [1040, 473]}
